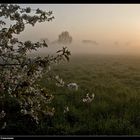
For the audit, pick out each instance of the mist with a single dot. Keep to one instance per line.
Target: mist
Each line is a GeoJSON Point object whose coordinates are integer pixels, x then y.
{"type": "Point", "coordinates": [77, 47]}
{"type": "Point", "coordinates": [95, 28]}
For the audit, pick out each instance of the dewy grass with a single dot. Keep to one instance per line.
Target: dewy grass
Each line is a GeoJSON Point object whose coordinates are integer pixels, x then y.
{"type": "Point", "coordinates": [114, 110]}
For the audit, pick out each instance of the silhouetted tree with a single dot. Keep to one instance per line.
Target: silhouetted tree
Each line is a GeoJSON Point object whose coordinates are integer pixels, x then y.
{"type": "Point", "coordinates": [65, 38]}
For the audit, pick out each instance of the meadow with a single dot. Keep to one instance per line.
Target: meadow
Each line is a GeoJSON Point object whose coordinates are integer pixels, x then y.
{"type": "Point", "coordinates": [115, 109]}
{"type": "Point", "coordinates": [115, 81]}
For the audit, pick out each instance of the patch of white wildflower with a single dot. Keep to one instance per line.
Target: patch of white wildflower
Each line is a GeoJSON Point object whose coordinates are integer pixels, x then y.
{"type": "Point", "coordinates": [88, 98]}
{"type": "Point", "coordinates": [2, 115]}
{"type": "Point", "coordinates": [66, 109]}
{"type": "Point", "coordinates": [59, 81]}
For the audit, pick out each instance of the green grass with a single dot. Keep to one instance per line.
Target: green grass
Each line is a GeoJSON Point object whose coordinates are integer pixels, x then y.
{"type": "Point", "coordinates": [115, 81]}
{"type": "Point", "coordinates": [115, 110]}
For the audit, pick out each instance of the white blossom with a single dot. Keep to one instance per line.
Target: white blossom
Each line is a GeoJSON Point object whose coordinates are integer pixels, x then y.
{"type": "Point", "coordinates": [57, 77]}
{"type": "Point", "coordinates": [2, 114]}
{"type": "Point", "coordinates": [36, 119]}
{"type": "Point", "coordinates": [57, 84]}
{"type": "Point", "coordinates": [93, 95]}
{"type": "Point", "coordinates": [24, 111]}
{"type": "Point", "coordinates": [66, 109]}
{"type": "Point", "coordinates": [9, 90]}
{"type": "Point", "coordinates": [84, 100]}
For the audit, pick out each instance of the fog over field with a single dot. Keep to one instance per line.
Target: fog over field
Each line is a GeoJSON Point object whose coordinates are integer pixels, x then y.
{"type": "Point", "coordinates": [81, 48]}
{"type": "Point", "coordinates": [95, 28]}
{"type": "Point", "coordinates": [91, 88]}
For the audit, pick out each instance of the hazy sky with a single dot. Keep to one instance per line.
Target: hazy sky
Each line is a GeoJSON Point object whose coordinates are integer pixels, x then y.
{"type": "Point", "coordinates": [115, 27]}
